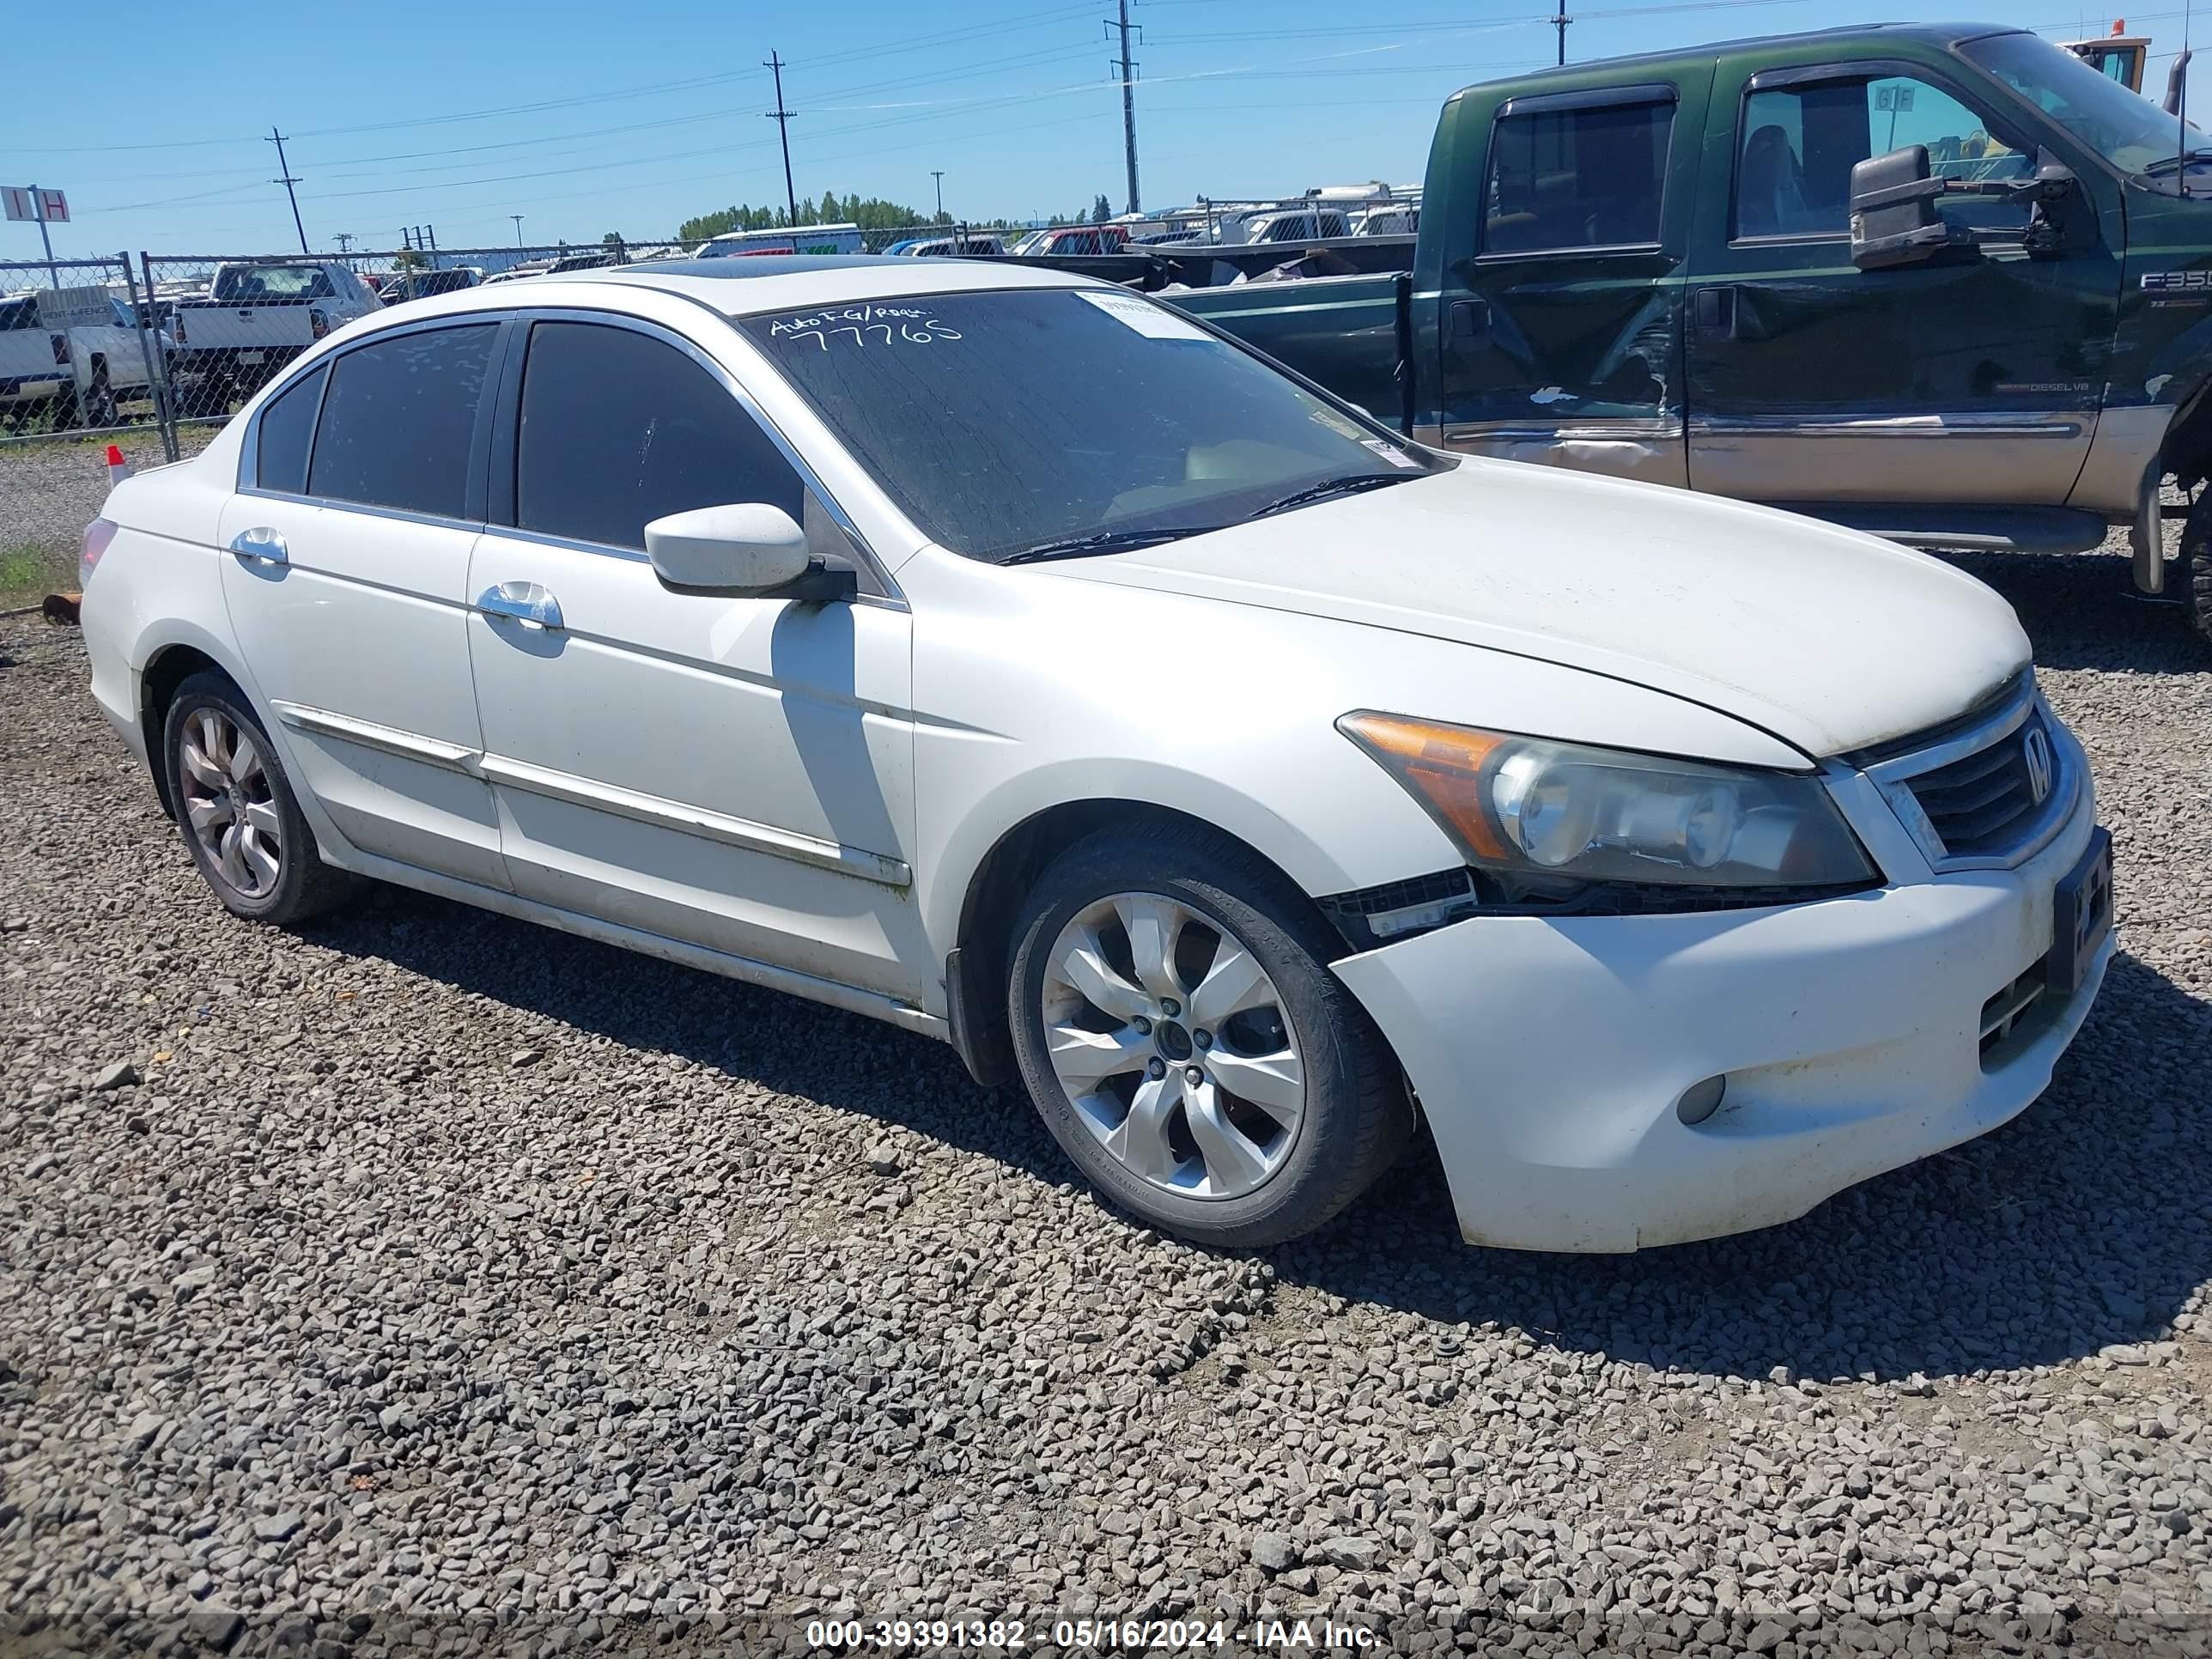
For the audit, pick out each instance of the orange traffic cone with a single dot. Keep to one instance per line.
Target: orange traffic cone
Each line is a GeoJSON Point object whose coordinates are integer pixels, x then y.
{"type": "Point", "coordinates": [119, 469]}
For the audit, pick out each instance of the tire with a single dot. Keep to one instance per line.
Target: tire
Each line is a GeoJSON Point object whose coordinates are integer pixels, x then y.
{"type": "Point", "coordinates": [100, 408]}
{"type": "Point", "coordinates": [64, 412]}
{"type": "Point", "coordinates": [2196, 563]}
{"type": "Point", "coordinates": [272, 872]}
{"type": "Point", "coordinates": [1260, 1174]}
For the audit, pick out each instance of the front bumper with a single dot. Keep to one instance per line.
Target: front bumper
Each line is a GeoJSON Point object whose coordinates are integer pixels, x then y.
{"type": "Point", "coordinates": [1548, 1054]}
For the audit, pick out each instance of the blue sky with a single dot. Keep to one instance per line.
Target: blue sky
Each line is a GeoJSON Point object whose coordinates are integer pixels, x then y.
{"type": "Point", "coordinates": [586, 117]}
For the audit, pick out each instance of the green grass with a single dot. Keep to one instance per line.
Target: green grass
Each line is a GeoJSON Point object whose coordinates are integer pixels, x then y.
{"type": "Point", "coordinates": [28, 573]}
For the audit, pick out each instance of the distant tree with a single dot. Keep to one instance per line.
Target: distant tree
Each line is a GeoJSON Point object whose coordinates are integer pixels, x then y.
{"type": "Point", "coordinates": [1101, 209]}
{"type": "Point", "coordinates": [612, 238]}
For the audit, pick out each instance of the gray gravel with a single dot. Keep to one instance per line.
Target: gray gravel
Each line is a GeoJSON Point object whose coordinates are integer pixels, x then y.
{"type": "Point", "coordinates": [425, 1278]}
{"type": "Point", "coordinates": [51, 488]}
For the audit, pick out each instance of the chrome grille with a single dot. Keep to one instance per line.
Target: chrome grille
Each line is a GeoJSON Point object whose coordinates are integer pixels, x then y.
{"type": "Point", "coordinates": [1987, 790]}
{"type": "Point", "coordinates": [1977, 804]}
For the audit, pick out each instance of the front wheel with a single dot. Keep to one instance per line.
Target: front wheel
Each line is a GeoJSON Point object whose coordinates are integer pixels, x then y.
{"type": "Point", "coordinates": [2196, 563]}
{"type": "Point", "coordinates": [237, 810]}
{"type": "Point", "coordinates": [1179, 1029]}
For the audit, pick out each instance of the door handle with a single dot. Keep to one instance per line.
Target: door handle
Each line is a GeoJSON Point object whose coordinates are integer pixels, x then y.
{"type": "Point", "coordinates": [1470, 324]}
{"type": "Point", "coordinates": [260, 546]}
{"type": "Point", "coordinates": [523, 602]}
{"type": "Point", "coordinates": [1713, 310]}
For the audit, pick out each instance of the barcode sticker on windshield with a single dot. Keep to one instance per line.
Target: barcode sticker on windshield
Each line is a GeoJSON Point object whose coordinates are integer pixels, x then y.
{"type": "Point", "coordinates": [1153, 322]}
{"type": "Point", "coordinates": [1390, 452]}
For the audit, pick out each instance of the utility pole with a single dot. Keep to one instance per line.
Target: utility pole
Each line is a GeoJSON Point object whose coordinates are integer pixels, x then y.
{"type": "Point", "coordinates": [1560, 23]}
{"type": "Point", "coordinates": [1129, 72]}
{"type": "Point", "coordinates": [518, 227]}
{"type": "Point", "coordinates": [288, 181]}
{"type": "Point", "coordinates": [781, 117]}
{"type": "Point", "coordinates": [344, 239]}
{"type": "Point", "coordinates": [937, 173]}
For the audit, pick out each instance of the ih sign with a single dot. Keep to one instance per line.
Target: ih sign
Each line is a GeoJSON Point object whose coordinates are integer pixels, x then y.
{"type": "Point", "coordinates": [48, 207]}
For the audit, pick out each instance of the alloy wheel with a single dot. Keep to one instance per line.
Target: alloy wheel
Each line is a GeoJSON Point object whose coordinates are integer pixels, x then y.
{"type": "Point", "coordinates": [228, 804]}
{"type": "Point", "coordinates": [1173, 1046]}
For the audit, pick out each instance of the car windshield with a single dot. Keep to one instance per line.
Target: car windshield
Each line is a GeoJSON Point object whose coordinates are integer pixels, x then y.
{"type": "Point", "coordinates": [2126, 129]}
{"type": "Point", "coordinates": [1015, 423]}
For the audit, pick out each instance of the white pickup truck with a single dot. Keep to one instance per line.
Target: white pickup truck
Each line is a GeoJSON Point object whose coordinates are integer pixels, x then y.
{"type": "Point", "coordinates": [68, 354]}
{"type": "Point", "coordinates": [256, 317]}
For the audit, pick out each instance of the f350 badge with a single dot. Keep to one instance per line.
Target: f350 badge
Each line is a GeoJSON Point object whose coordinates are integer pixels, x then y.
{"type": "Point", "coordinates": [2178, 287]}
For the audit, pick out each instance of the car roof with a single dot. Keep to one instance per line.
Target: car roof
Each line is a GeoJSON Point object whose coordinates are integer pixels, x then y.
{"type": "Point", "coordinates": [773, 281]}
{"type": "Point", "coordinates": [1936, 35]}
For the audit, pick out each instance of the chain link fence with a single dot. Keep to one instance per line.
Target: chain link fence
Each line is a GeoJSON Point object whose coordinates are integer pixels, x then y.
{"type": "Point", "coordinates": [80, 348]}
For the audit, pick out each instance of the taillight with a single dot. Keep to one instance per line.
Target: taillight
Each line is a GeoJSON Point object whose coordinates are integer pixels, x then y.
{"type": "Point", "coordinates": [97, 535]}
{"type": "Point", "coordinates": [61, 347]}
{"type": "Point", "coordinates": [318, 324]}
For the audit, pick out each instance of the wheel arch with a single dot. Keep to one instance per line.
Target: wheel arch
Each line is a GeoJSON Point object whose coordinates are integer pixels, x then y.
{"type": "Point", "coordinates": [166, 667]}
{"type": "Point", "coordinates": [976, 968]}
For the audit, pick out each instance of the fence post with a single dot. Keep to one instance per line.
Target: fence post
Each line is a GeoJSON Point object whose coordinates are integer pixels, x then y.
{"type": "Point", "coordinates": [157, 356]}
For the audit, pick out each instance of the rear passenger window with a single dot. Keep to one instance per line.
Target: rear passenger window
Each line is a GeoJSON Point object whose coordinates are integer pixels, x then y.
{"type": "Point", "coordinates": [619, 428]}
{"type": "Point", "coordinates": [280, 462]}
{"type": "Point", "coordinates": [397, 425]}
{"type": "Point", "coordinates": [1575, 178]}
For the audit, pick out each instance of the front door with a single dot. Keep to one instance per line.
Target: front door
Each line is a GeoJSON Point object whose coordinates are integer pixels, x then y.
{"type": "Point", "coordinates": [1560, 315]}
{"type": "Point", "coordinates": [733, 772]}
{"type": "Point", "coordinates": [1969, 381]}
{"type": "Point", "coordinates": [346, 577]}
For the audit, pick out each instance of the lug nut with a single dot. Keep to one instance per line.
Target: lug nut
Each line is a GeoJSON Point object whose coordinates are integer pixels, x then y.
{"type": "Point", "coordinates": [1156, 1067]}
{"type": "Point", "coordinates": [1192, 1074]}
{"type": "Point", "coordinates": [1203, 1039]}
{"type": "Point", "coordinates": [1143, 1026]}
{"type": "Point", "coordinates": [1171, 1007]}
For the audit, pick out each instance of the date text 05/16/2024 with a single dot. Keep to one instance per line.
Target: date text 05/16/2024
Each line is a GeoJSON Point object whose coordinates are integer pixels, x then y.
{"type": "Point", "coordinates": [1098, 1635]}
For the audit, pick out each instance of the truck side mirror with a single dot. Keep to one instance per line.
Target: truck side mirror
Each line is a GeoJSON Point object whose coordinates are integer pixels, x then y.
{"type": "Point", "coordinates": [1893, 217]}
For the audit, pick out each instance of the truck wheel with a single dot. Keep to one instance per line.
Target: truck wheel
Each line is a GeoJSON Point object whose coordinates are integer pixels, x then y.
{"type": "Point", "coordinates": [2196, 563]}
{"type": "Point", "coordinates": [65, 413]}
{"type": "Point", "coordinates": [1181, 1033]}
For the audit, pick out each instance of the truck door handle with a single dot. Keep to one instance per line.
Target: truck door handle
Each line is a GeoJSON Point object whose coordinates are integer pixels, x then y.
{"type": "Point", "coordinates": [260, 546]}
{"type": "Point", "coordinates": [523, 602]}
{"type": "Point", "coordinates": [1470, 323]}
{"type": "Point", "coordinates": [1713, 310]}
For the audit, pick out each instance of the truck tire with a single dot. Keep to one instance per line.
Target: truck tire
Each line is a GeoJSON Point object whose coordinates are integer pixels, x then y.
{"type": "Point", "coordinates": [2197, 564]}
{"type": "Point", "coordinates": [66, 415]}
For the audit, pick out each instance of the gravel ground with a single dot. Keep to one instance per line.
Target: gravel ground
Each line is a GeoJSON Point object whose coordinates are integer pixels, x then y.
{"type": "Point", "coordinates": [426, 1279]}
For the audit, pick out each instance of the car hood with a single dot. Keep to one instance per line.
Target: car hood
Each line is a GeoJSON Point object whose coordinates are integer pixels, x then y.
{"type": "Point", "coordinates": [1831, 640]}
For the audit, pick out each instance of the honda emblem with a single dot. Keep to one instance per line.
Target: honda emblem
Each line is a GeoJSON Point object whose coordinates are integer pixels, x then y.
{"type": "Point", "coordinates": [2035, 752]}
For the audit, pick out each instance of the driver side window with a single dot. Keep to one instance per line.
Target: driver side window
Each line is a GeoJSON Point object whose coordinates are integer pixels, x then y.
{"type": "Point", "coordinates": [1797, 147]}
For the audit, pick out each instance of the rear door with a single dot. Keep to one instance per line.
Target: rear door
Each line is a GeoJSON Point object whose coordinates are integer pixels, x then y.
{"type": "Point", "coordinates": [361, 495]}
{"type": "Point", "coordinates": [1969, 381]}
{"type": "Point", "coordinates": [735, 773]}
{"type": "Point", "coordinates": [1561, 304]}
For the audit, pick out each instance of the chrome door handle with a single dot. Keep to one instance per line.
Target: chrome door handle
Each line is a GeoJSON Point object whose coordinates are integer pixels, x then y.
{"type": "Point", "coordinates": [523, 602]}
{"type": "Point", "coordinates": [260, 546]}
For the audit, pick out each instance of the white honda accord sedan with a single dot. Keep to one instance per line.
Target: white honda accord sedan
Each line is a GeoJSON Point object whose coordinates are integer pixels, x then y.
{"type": "Point", "coordinates": [1002, 655]}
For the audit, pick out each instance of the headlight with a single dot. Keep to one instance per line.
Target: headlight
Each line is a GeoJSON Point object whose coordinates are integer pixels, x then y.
{"type": "Point", "coordinates": [1539, 809]}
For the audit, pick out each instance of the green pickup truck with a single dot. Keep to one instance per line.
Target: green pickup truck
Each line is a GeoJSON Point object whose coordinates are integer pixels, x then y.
{"type": "Point", "coordinates": [1946, 283]}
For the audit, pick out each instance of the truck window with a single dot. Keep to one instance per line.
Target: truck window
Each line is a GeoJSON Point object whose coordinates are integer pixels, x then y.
{"type": "Point", "coordinates": [1576, 177]}
{"type": "Point", "coordinates": [1797, 147]}
{"type": "Point", "coordinates": [250, 284]}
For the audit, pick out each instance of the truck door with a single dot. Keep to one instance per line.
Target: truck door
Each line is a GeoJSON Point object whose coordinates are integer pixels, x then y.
{"type": "Point", "coordinates": [1560, 311]}
{"type": "Point", "coordinates": [1957, 382]}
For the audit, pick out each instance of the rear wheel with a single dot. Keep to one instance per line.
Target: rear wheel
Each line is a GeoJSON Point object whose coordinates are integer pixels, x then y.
{"type": "Point", "coordinates": [1179, 1029]}
{"type": "Point", "coordinates": [237, 810]}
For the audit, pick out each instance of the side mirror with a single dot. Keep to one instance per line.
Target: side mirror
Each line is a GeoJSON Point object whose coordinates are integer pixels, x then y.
{"type": "Point", "coordinates": [746, 549]}
{"type": "Point", "coordinates": [1893, 217]}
